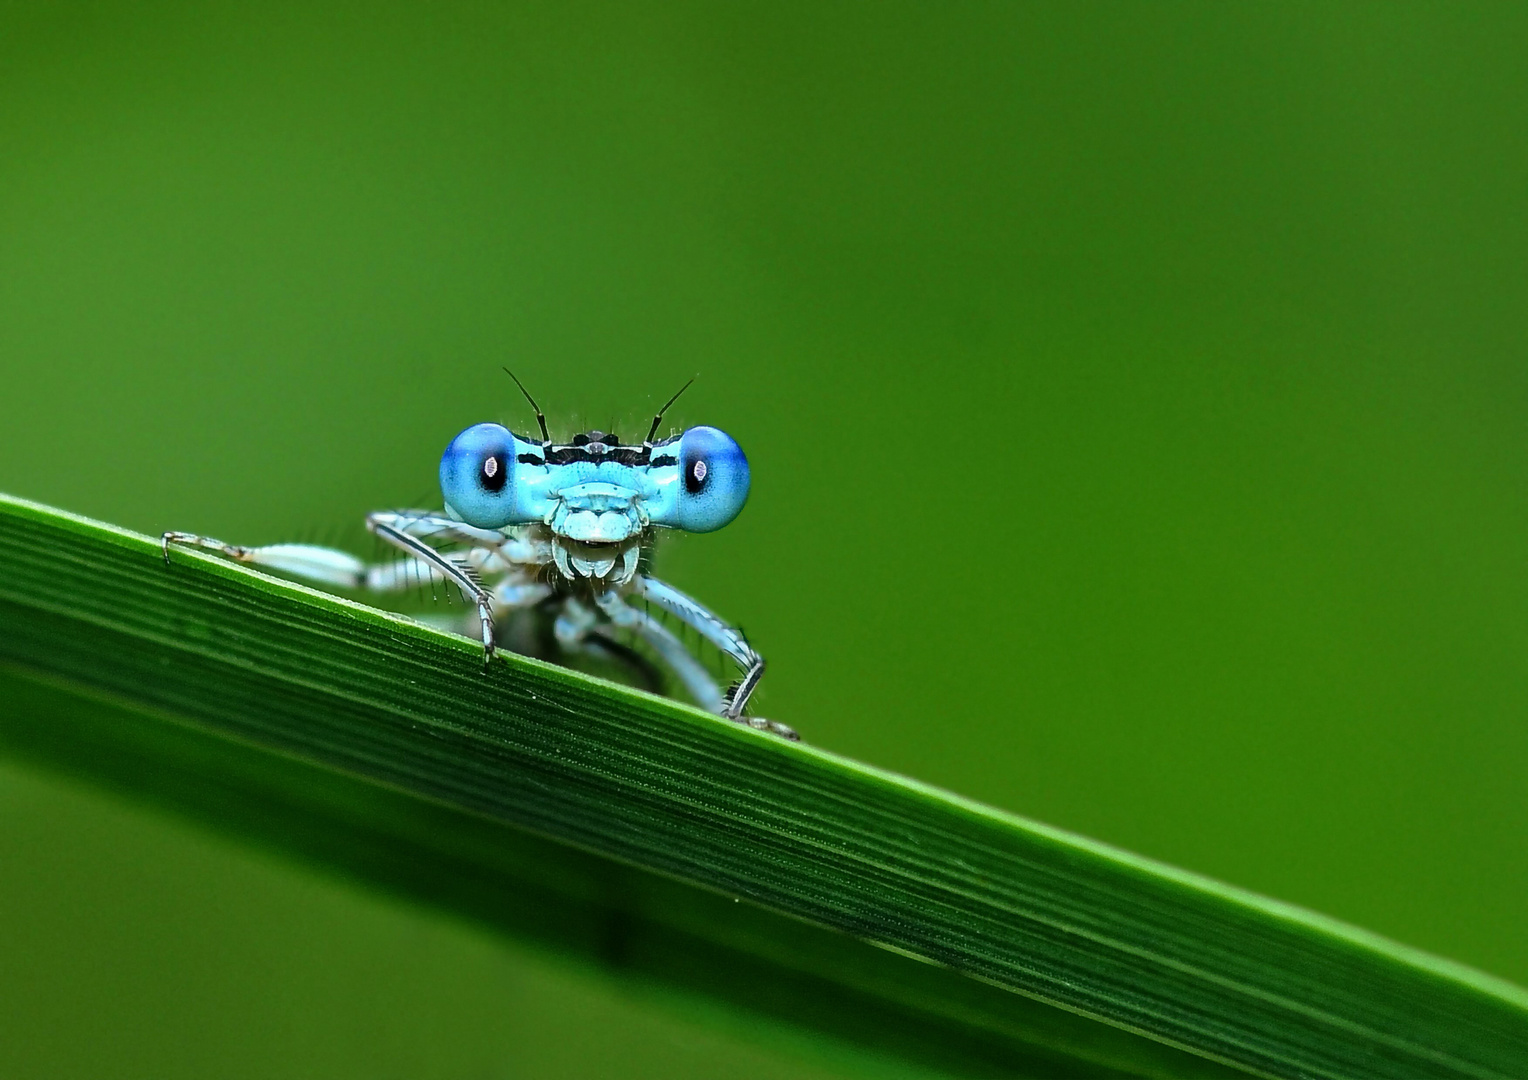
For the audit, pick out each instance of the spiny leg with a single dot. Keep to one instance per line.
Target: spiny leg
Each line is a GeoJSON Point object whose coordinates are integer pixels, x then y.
{"type": "Point", "coordinates": [729, 640]}
{"type": "Point", "coordinates": [339, 568]}
{"type": "Point", "coordinates": [700, 618]}
{"type": "Point", "coordinates": [507, 596]}
{"type": "Point", "coordinates": [509, 546]}
{"type": "Point", "coordinates": [329, 566]}
{"type": "Point", "coordinates": [460, 575]}
{"type": "Point", "coordinates": [487, 554]}
{"type": "Point", "coordinates": [697, 681]}
{"type": "Point", "coordinates": [430, 525]}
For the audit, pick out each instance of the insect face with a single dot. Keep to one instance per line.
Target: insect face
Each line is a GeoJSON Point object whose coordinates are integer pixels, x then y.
{"type": "Point", "coordinates": [594, 490]}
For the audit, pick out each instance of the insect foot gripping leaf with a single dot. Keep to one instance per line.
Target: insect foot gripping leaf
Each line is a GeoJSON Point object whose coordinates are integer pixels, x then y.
{"type": "Point", "coordinates": [554, 538]}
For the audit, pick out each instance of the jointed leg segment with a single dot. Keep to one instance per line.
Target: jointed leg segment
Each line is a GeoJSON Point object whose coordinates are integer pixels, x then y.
{"type": "Point", "coordinates": [514, 560]}
{"type": "Point", "coordinates": [331, 567]}
{"type": "Point", "coordinates": [324, 565]}
{"type": "Point", "coordinates": [728, 639]}
{"type": "Point", "coordinates": [448, 568]}
{"type": "Point", "coordinates": [697, 681]}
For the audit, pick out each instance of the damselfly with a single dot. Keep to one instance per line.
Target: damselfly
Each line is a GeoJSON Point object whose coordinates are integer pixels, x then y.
{"type": "Point", "coordinates": [562, 532]}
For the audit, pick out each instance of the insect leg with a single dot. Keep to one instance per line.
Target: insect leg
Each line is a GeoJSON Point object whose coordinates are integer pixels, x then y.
{"type": "Point", "coordinates": [578, 630]}
{"type": "Point", "coordinates": [726, 638]}
{"type": "Point", "coordinates": [328, 566]}
{"type": "Point", "coordinates": [692, 673]}
{"type": "Point", "coordinates": [507, 596]}
{"type": "Point", "coordinates": [460, 575]}
{"type": "Point", "coordinates": [425, 525]}
{"type": "Point", "coordinates": [324, 565]}
{"type": "Point", "coordinates": [429, 525]}
{"type": "Point", "coordinates": [730, 641]}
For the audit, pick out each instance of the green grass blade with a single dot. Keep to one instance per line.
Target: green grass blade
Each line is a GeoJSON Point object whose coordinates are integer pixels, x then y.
{"type": "Point", "coordinates": [616, 824]}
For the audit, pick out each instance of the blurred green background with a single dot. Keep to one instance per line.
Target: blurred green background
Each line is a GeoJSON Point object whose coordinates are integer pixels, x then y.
{"type": "Point", "coordinates": [1135, 394]}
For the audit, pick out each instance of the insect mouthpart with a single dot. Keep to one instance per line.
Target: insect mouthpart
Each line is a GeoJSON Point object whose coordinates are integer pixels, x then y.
{"type": "Point", "coordinates": [612, 564]}
{"type": "Point", "coordinates": [595, 526]}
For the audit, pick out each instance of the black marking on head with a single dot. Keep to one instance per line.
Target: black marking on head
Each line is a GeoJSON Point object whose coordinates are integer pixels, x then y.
{"type": "Point", "coordinates": [621, 455]}
{"type": "Point", "coordinates": [597, 446]}
{"type": "Point", "coordinates": [597, 438]}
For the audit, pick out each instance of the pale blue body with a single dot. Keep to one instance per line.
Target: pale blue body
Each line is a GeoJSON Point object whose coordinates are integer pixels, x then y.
{"type": "Point", "coordinates": [561, 529]}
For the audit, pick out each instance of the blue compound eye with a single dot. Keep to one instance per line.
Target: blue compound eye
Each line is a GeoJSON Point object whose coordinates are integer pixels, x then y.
{"type": "Point", "coordinates": [477, 476]}
{"type": "Point", "coordinates": [715, 477]}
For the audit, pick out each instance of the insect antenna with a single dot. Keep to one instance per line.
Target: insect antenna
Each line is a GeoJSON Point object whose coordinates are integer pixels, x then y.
{"type": "Point", "coordinates": [647, 443]}
{"type": "Point", "coordinates": [546, 439]}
